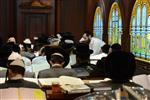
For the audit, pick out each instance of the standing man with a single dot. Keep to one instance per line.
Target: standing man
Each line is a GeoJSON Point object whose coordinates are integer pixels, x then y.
{"type": "Point", "coordinates": [94, 43]}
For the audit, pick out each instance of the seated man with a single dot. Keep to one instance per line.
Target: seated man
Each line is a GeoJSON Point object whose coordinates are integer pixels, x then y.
{"type": "Point", "coordinates": [15, 74]}
{"type": "Point", "coordinates": [120, 67]}
{"type": "Point", "coordinates": [58, 59]}
{"type": "Point", "coordinates": [100, 63]}
{"type": "Point", "coordinates": [94, 43]}
{"type": "Point", "coordinates": [115, 47]}
{"type": "Point", "coordinates": [26, 51]}
{"type": "Point", "coordinates": [103, 53]}
{"type": "Point", "coordinates": [83, 60]}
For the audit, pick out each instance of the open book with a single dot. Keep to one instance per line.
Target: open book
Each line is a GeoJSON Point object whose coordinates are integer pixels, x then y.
{"type": "Point", "coordinates": [143, 80]}
{"type": "Point", "coordinates": [2, 80]}
{"type": "Point", "coordinates": [67, 83]}
{"type": "Point", "coordinates": [22, 94]}
{"type": "Point", "coordinates": [70, 89]}
{"type": "Point", "coordinates": [62, 80]}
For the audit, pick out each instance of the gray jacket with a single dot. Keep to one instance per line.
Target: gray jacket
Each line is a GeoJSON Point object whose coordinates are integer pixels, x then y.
{"type": "Point", "coordinates": [56, 72]}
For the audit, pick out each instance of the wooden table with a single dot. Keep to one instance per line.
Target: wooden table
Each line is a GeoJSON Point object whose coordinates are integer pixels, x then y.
{"type": "Point", "coordinates": [62, 96]}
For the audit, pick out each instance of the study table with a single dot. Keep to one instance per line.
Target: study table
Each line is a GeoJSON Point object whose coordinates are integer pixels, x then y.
{"type": "Point", "coordinates": [65, 96]}
{"type": "Point", "coordinates": [62, 96]}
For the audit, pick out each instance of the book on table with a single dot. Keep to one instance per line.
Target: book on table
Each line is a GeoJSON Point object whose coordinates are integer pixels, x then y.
{"type": "Point", "coordinates": [143, 80]}
{"type": "Point", "coordinates": [62, 80]}
{"type": "Point", "coordinates": [2, 80]}
{"type": "Point", "coordinates": [70, 89]}
{"type": "Point", "coordinates": [68, 84]}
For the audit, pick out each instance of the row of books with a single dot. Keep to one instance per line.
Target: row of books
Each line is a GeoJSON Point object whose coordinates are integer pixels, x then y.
{"type": "Point", "coordinates": [71, 85]}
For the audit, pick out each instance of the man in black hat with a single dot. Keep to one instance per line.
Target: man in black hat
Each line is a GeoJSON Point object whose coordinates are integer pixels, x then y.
{"type": "Point", "coordinates": [58, 59]}
{"type": "Point", "coordinates": [115, 47]}
{"type": "Point", "coordinates": [83, 59]}
{"type": "Point", "coordinates": [16, 70]}
{"type": "Point", "coordinates": [120, 67]}
{"type": "Point", "coordinates": [68, 44]}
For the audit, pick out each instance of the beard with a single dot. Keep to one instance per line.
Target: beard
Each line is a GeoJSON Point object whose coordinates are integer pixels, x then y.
{"type": "Point", "coordinates": [86, 41]}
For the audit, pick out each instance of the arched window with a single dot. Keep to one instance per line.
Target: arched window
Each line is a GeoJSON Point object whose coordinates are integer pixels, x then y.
{"type": "Point", "coordinates": [133, 37]}
{"type": "Point", "coordinates": [98, 24]}
{"type": "Point", "coordinates": [115, 25]}
{"type": "Point", "coordinates": [139, 29]}
{"type": "Point", "coordinates": [148, 39]}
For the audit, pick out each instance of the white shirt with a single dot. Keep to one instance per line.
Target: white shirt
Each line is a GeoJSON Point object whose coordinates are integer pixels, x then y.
{"type": "Point", "coordinates": [72, 60]}
{"type": "Point", "coordinates": [38, 63]}
{"type": "Point", "coordinates": [27, 61]}
{"type": "Point", "coordinates": [95, 58]}
{"type": "Point", "coordinates": [96, 44]}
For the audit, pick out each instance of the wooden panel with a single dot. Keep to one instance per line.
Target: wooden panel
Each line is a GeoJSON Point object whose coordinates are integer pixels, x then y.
{"type": "Point", "coordinates": [7, 24]}
{"type": "Point", "coordinates": [35, 24]}
{"type": "Point", "coordinates": [3, 19]}
{"type": "Point", "coordinates": [71, 16]}
{"type": "Point", "coordinates": [32, 21]}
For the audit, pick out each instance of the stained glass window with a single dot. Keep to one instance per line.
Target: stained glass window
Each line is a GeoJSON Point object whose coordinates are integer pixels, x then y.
{"type": "Point", "coordinates": [115, 25]}
{"type": "Point", "coordinates": [133, 38]}
{"type": "Point", "coordinates": [139, 29]}
{"type": "Point", "coordinates": [98, 24]}
{"type": "Point", "coordinates": [148, 39]}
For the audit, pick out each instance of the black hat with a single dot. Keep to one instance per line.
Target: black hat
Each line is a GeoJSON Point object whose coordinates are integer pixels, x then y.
{"type": "Point", "coordinates": [50, 50]}
{"type": "Point", "coordinates": [83, 48]}
{"type": "Point", "coordinates": [67, 35]}
{"type": "Point", "coordinates": [120, 66]}
{"type": "Point", "coordinates": [116, 47]}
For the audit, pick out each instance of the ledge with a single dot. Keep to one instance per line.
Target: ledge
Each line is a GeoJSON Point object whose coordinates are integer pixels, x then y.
{"type": "Point", "coordinates": [143, 60]}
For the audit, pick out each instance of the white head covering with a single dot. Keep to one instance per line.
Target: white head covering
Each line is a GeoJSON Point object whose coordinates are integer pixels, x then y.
{"type": "Point", "coordinates": [14, 55]}
{"type": "Point", "coordinates": [81, 40]}
{"type": "Point", "coordinates": [69, 41]}
{"type": "Point", "coordinates": [27, 41]}
{"type": "Point", "coordinates": [18, 62]}
{"type": "Point", "coordinates": [35, 38]}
